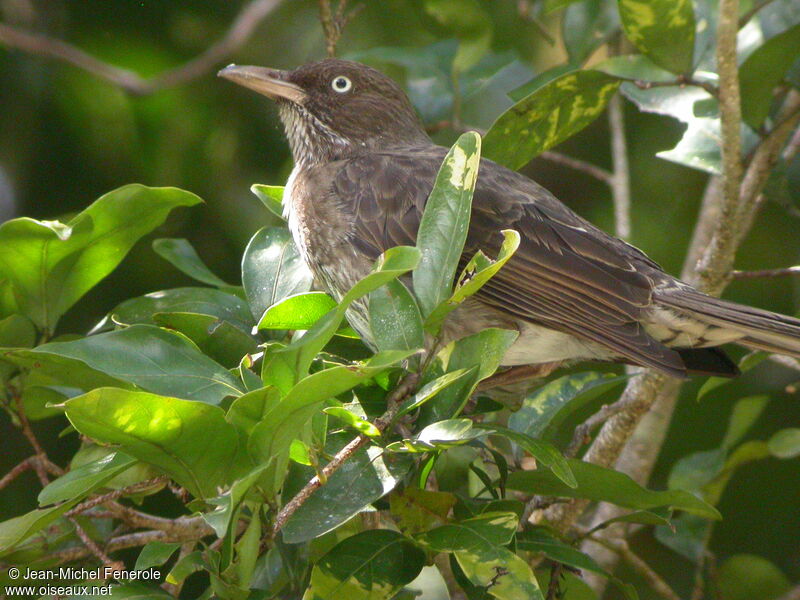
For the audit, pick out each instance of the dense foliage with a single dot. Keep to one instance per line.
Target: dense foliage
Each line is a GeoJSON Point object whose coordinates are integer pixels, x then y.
{"type": "Point", "coordinates": [244, 441]}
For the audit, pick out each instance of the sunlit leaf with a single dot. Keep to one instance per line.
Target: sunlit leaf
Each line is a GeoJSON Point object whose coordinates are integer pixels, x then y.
{"type": "Point", "coordinates": [220, 340]}
{"type": "Point", "coordinates": [394, 318]}
{"type": "Point", "coordinates": [299, 311]}
{"type": "Point", "coordinates": [785, 443]}
{"type": "Point", "coordinates": [661, 29]}
{"type": "Point", "coordinates": [79, 482]}
{"type": "Point", "coordinates": [271, 196]}
{"type": "Point", "coordinates": [183, 256]}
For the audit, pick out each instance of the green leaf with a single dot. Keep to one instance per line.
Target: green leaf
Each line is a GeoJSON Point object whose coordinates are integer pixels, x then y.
{"type": "Point", "coordinates": [430, 389]}
{"type": "Point", "coordinates": [371, 565]}
{"type": "Point", "coordinates": [300, 311]}
{"type": "Point", "coordinates": [745, 413]}
{"type": "Point", "coordinates": [478, 547]}
{"type": "Point", "coordinates": [656, 516]}
{"type": "Point", "coordinates": [445, 221]}
{"type": "Point", "coordinates": [763, 70]}
{"type": "Point", "coordinates": [169, 433]}
{"type": "Point", "coordinates": [357, 422]}
{"type": "Point", "coordinates": [220, 340]}
{"type": "Point", "coordinates": [540, 539]}
{"type": "Point", "coordinates": [155, 554]}
{"type": "Point", "coordinates": [479, 270]}
{"type": "Point", "coordinates": [151, 358]}
{"type": "Point", "coordinates": [131, 591]}
{"type": "Point", "coordinates": [554, 5]}
{"type": "Point", "coordinates": [548, 116]}
{"type": "Point", "coordinates": [547, 408]}
{"type": "Point", "coordinates": [484, 351]}
{"type": "Point", "coordinates": [17, 331]}
{"type": "Point", "coordinates": [785, 443]}
{"type": "Point", "coordinates": [203, 301]}
{"type": "Point", "coordinates": [271, 196]}
{"type": "Point", "coordinates": [272, 269]}
{"type": "Point", "coordinates": [180, 253]}
{"type": "Point", "coordinates": [661, 29]}
{"type": "Point", "coordinates": [367, 476]}
{"type": "Point", "coordinates": [50, 265]}
{"type": "Point", "coordinates": [228, 503]}
{"type": "Point", "coordinates": [747, 576]}
{"type": "Point", "coordinates": [588, 25]}
{"type": "Point", "coordinates": [544, 452]}
{"type": "Point", "coordinates": [394, 318]}
{"type": "Point", "coordinates": [390, 265]}
{"type": "Point", "coordinates": [688, 536]}
{"type": "Point", "coordinates": [418, 510]}
{"type": "Point", "coordinates": [635, 67]}
{"type": "Point", "coordinates": [606, 485]}
{"type": "Point", "coordinates": [438, 436]}
{"type": "Point", "coordinates": [17, 529]}
{"type": "Point", "coordinates": [471, 25]}
{"type": "Point", "coordinates": [79, 482]}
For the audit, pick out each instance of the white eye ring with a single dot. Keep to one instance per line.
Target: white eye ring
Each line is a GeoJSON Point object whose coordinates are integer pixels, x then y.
{"type": "Point", "coordinates": [341, 84]}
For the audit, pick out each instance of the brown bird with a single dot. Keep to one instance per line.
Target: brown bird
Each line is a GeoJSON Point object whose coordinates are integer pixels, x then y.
{"type": "Point", "coordinates": [364, 167]}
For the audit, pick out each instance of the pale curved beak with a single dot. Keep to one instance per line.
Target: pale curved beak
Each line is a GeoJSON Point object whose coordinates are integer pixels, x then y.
{"type": "Point", "coordinates": [269, 82]}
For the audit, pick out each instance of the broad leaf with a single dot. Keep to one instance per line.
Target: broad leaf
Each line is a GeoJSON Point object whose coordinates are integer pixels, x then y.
{"type": "Point", "coordinates": [151, 358]}
{"type": "Point", "coordinates": [300, 311]}
{"type": "Point", "coordinates": [272, 269]}
{"type": "Point", "coordinates": [747, 576]}
{"type": "Point", "coordinates": [785, 443]}
{"type": "Point", "coordinates": [155, 554]}
{"type": "Point", "coordinates": [394, 318]}
{"type": "Point", "coordinates": [371, 565]}
{"type": "Point", "coordinates": [79, 482]}
{"type": "Point", "coordinates": [419, 510]}
{"type": "Point", "coordinates": [438, 436]}
{"type": "Point", "coordinates": [271, 196]}
{"type": "Point", "coordinates": [586, 26]}
{"type": "Point", "coordinates": [220, 340]}
{"type": "Point", "coordinates": [18, 529]}
{"type": "Point", "coordinates": [180, 253]}
{"type": "Point", "coordinates": [548, 116]}
{"type": "Point", "coordinates": [169, 433]}
{"type": "Point", "coordinates": [606, 485]}
{"type": "Point", "coordinates": [445, 221]}
{"type": "Point", "coordinates": [540, 539]}
{"type": "Point", "coordinates": [228, 503]}
{"type": "Point", "coordinates": [661, 29]}
{"type": "Point", "coordinates": [430, 389]}
{"type": "Point", "coordinates": [367, 476]}
{"type": "Point", "coordinates": [50, 265]}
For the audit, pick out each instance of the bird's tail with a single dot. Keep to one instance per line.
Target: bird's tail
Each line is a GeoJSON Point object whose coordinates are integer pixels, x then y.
{"type": "Point", "coordinates": [759, 329]}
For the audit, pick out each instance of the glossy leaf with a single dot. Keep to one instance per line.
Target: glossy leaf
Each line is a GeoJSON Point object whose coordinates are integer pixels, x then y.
{"type": "Point", "coordinates": [220, 340]}
{"type": "Point", "coordinates": [271, 196]}
{"type": "Point", "coordinates": [445, 221]}
{"type": "Point", "coordinates": [544, 410]}
{"type": "Point", "coordinates": [430, 389]}
{"type": "Point", "coordinates": [586, 26]}
{"type": "Point", "coordinates": [544, 452]}
{"type": "Point", "coordinates": [540, 539]}
{"type": "Point", "coordinates": [180, 253]}
{"type": "Point", "coordinates": [17, 331]}
{"type": "Point", "coordinates": [153, 359]}
{"type": "Point", "coordinates": [763, 70]}
{"type": "Point", "coordinates": [371, 565]}
{"type": "Point", "coordinates": [601, 484]}
{"type": "Point", "coordinates": [548, 116]}
{"type": "Point", "coordinates": [169, 433]}
{"type": "Point", "coordinates": [359, 423]}
{"type": "Point", "coordinates": [419, 510]}
{"type": "Point", "coordinates": [300, 311]}
{"type": "Point", "coordinates": [369, 475]}
{"type": "Point", "coordinates": [479, 270]}
{"type": "Point", "coordinates": [50, 265]}
{"type": "Point", "coordinates": [228, 503]}
{"type": "Point", "coordinates": [79, 482]}
{"type": "Point", "coordinates": [155, 554]}
{"type": "Point", "coordinates": [394, 318]}
{"type": "Point", "coordinates": [661, 29]}
{"type": "Point", "coordinates": [438, 436]}
{"type": "Point", "coordinates": [272, 269]}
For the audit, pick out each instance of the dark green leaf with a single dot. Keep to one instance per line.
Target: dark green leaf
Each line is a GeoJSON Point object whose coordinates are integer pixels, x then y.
{"type": "Point", "coordinates": [430, 389]}
{"type": "Point", "coordinates": [367, 476]}
{"type": "Point", "coordinates": [50, 265]}
{"type": "Point", "coordinates": [763, 71]}
{"type": "Point", "coordinates": [543, 78]}
{"type": "Point", "coordinates": [17, 331]}
{"type": "Point", "coordinates": [601, 484]}
{"type": "Point", "coordinates": [127, 591]}
{"type": "Point", "coordinates": [79, 482]}
{"type": "Point", "coordinates": [656, 516]}
{"type": "Point", "coordinates": [747, 576]}
{"type": "Point", "coordinates": [418, 510]}
{"type": "Point", "coordinates": [661, 29]}
{"type": "Point", "coordinates": [18, 529]}
{"type": "Point", "coordinates": [169, 433]}
{"type": "Point", "coordinates": [540, 539]}
{"type": "Point", "coordinates": [181, 254]}
{"type": "Point", "coordinates": [228, 503]}
{"type": "Point", "coordinates": [471, 25]}
{"type": "Point", "coordinates": [547, 408]}
{"type": "Point", "coordinates": [153, 359]}
{"type": "Point", "coordinates": [548, 116]}
{"type": "Point", "coordinates": [445, 221]}
{"type": "Point", "coordinates": [748, 362]}
{"type": "Point", "coordinates": [272, 269]}
{"type": "Point", "coordinates": [394, 318]}
{"type": "Point", "coordinates": [220, 340]}
{"type": "Point", "coordinates": [271, 196]}
{"type": "Point", "coordinates": [785, 443]}
{"type": "Point", "coordinates": [588, 25]}
{"type": "Point", "coordinates": [371, 565]}
{"type": "Point", "coordinates": [155, 554]}
{"type": "Point", "coordinates": [300, 311]}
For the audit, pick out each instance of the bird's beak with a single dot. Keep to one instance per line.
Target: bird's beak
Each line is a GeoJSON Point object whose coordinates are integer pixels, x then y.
{"type": "Point", "coordinates": [270, 82]}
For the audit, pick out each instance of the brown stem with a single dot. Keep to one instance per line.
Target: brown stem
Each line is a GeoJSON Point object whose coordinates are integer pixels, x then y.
{"type": "Point", "coordinates": [131, 540]}
{"type": "Point", "coordinates": [393, 400]}
{"type": "Point", "coordinates": [579, 165]}
{"type": "Point", "coordinates": [240, 30]}
{"type": "Point", "coordinates": [110, 496]}
{"type": "Point", "coordinates": [25, 465]}
{"type": "Point", "coordinates": [92, 547]}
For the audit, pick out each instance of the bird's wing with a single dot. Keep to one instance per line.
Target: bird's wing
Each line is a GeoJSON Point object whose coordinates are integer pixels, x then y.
{"type": "Point", "coordinates": [566, 275]}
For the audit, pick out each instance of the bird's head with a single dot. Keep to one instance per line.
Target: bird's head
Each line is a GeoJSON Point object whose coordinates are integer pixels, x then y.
{"type": "Point", "coordinates": [335, 108]}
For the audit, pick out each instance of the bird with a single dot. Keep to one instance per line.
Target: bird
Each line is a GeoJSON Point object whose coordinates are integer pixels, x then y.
{"type": "Point", "coordinates": [364, 167]}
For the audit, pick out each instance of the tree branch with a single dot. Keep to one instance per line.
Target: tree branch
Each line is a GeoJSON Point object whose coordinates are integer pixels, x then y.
{"type": "Point", "coordinates": [579, 165]}
{"type": "Point", "coordinates": [393, 400]}
{"type": "Point", "coordinates": [766, 273]}
{"type": "Point", "coordinates": [240, 30]}
{"type": "Point", "coordinates": [620, 181]}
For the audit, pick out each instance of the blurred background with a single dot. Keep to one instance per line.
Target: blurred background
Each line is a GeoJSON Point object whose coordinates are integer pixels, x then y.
{"type": "Point", "coordinates": [67, 136]}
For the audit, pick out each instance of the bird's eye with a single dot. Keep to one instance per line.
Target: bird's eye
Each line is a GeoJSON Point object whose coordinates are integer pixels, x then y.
{"type": "Point", "coordinates": [341, 84]}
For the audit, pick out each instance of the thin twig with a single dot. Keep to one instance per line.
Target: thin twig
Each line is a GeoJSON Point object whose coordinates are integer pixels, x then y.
{"type": "Point", "coordinates": [766, 273]}
{"type": "Point", "coordinates": [682, 81]}
{"type": "Point", "coordinates": [110, 496]}
{"type": "Point", "coordinates": [92, 546]}
{"type": "Point", "coordinates": [553, 587]}
{"type": "Point", "coordinates": [240, 30]}
{"type": "Point", "coordinates": [654, 580]}
{"type": "Point", "coordinates": [131, 540]}
{"type": "Point", "coordinates": [579, 165]}
{"type": "Point", "coordinates": [333, 23]}
{"type": "Point", "coordinates": [620, 182]}
{"type": "Point", "coordinates": [25, 465]}
{"type": "Point", "coordinates": [42, 464]}
{"type": "Point", "coordinates": [393, 400]}
{"type": "Point", "coordinates": [582, 432]}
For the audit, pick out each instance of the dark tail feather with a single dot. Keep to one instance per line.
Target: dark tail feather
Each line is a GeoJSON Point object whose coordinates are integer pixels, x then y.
{"type": "Point", "coordinates": [761, 329]}
{"type": "Point", "coordinates": [708, 361]}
